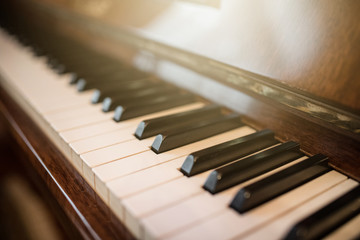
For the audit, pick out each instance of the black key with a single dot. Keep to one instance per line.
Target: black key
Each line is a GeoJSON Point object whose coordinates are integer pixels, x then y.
{"type": "Point", "coordinates": [117, 88]}
{"type": "Point", "coordinates": [328, 218]}
{"type": "Point", "coordinates": [38, 51]}
{"type": "Point", "coordinates": [74, 78]}
{"type": "Point", "coordinates": [90, 71]}
{"type": "Point", "coordinates": [151, 127]}
{"type": "Point", "coordinates": [52, 62]}
{"type": "Point", "coordinates": [250, 167]}
{"type": "Point", "coordinates": [81, 60]}
{"type": "Point", "coordinates": [270, 187]}
{"type": "Point", "coordinates": [156, 104]}
{"type": "Point", "coordinates": [201, 130]}
{"type": "Point", "coordinates": [137, 97]}
{"type": "Point", "coordinates": [99, 80]}
{"type": "Point", "coordinates": [220, 154]}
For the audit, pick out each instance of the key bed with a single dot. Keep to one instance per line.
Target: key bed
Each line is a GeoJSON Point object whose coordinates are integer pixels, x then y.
{"type": "Point", "coordinates": [112, 159]}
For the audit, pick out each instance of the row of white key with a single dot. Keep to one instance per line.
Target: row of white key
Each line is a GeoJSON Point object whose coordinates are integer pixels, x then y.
{"type": "Point", "coordinates": [145, 189]}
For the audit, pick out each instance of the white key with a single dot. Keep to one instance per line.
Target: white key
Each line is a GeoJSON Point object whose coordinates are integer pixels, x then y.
{"type": "Point", "coordinates": [230, 224]}
{"type": "Point", "coordinates": [111, 153]}
{"type": "Point", "coordinates": [70, 113]}
{"type": "Point", "coordinates": [154, 199]}
{"type": "Point", "coordinates": [117, 169]}
{"type": "Point", "coordinates": [141, 180]}
{"type": "Point", "coordinates": [62, 103]}
{"type": "Point", "coordinates": [106, 126]}
{"type": "Point", "coordinates": [277, 229]}
{"type": "Point", "coordinates": [90, 130]}
{"type": "Point", "coordinates": [195, 208]}
{"type": "Point", "coordinates": [111, 138]}
{"type": "Point", "coordinates": [103, 140]}
{"type": "Point", "coordinates": [84, 120]}
{"type": "Point", "coordinates": [34, 82]}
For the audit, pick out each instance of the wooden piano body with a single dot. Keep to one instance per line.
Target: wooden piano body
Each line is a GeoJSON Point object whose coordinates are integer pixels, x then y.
{"type": "Point", "coordinates": [289, 67]}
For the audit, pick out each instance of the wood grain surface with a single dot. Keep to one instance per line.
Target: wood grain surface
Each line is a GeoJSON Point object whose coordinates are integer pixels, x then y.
{"type": "Point", "coordinates": [312, 46]}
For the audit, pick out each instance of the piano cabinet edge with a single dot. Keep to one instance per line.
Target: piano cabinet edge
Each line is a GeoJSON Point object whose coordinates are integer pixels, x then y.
{"type": "Point", "coordinates": [86, 211]}
{"type": "Point", "coordinates": [314, 136]}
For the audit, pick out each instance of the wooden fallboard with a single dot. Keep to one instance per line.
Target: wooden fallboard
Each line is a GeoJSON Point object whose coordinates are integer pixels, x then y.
{"type": "Point", "coordinates": [312, 46]}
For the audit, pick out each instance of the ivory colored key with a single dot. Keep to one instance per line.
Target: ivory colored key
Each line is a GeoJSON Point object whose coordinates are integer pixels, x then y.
{"type": "Point", "coordinates": [23, 88]}
{"type": "Point", "coordinates": [40, 100]}
{"type": "Point", "coordinates": [106, 126]}
{"type": "Point", "coordinates": [38, 93]}
{"type": "Point", "coordinates": [34, 65]}
{"type": "Point", "coordinates": [279, 227]}
{"type": "Point", "coordinates": [36, 71]}
{"type": "Point", "coordinates": [113, 152]}
{"type": "Point", "coordinates": [122, 167]}
{"type": "Point", "coordinates": [230, 224]}
{"type": "Point", "coordinates": [140, 180]}
{"type": "Point", "coordinates": [191, 210]}
{"type": "Point", "coordinates": [149, 158]}
{"type": "Point", "coordinates": [104, 140]}
{"type": "Point", "coordinates": [94, 129]}
{"type": "Point", "coordinates": [60, 105]}
{"type": "Point", "coordinates": [75, 112]}
{"type": "Point", "coordinates": [153, 200]}
{"type": "Point", "coordinates": [81, 121]}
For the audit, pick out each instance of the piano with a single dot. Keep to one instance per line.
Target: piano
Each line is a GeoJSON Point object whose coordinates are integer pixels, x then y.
{"type": "Point", "coordinates": [189, 119]}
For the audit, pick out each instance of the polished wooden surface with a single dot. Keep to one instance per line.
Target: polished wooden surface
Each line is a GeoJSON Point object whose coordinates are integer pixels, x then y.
{"type": "Point", "coordinates": [87, 212]}
{"type": "Point", "coordinates": [312, 46]}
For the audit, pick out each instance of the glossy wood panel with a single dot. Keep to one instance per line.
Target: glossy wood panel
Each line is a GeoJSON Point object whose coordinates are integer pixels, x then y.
{"type": "Point", "coordinates": [87, 212]}
{"type": "Point", "coordinates": [15, 167]}
{"type": "Point", "coordinates": [311, 46]}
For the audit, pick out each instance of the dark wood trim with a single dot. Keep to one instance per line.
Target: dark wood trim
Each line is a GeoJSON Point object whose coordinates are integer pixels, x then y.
{"type": "Point", "coordinates": [343, 151]}
{"type": "Point", "coordinates": [84, 208]}
{"type": "Point", "coordinates": [330, 112]}
{"type": "Point", "coordinates": [300, 102]}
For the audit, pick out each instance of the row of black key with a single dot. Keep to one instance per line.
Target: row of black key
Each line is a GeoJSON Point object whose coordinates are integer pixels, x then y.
{"type": "Point", "coordinates": [174, 131]}
{"type": "Point", "coordinates": [183, 128]}
{"type": "Point", "coordinates": [233, 171]}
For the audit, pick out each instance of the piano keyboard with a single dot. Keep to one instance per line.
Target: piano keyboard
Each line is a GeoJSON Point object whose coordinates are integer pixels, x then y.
{"type": "Point", "coordinates": [171, 165]}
